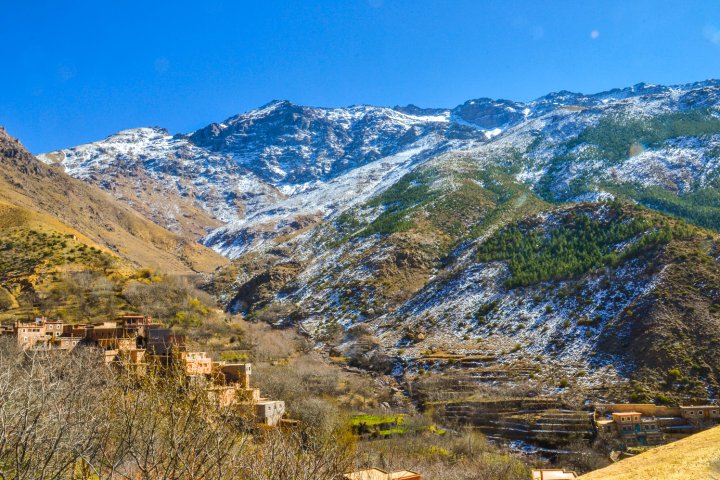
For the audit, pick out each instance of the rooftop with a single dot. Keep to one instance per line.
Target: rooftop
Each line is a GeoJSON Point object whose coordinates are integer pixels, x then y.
{"type": "Point", "coordinates": [377, 474]}
{"type": "Point", "coordinates": [553, 474]}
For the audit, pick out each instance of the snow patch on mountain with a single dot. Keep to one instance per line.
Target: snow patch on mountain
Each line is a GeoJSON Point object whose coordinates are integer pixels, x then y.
{"type": "Point", "coordinates": [323, 200]}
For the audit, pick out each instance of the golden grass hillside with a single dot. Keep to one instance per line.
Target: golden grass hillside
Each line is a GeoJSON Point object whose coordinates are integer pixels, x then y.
{"type": "Point", "coordinates": [696, 457]}
{"type": "Point", "coordinates": [44, 194]}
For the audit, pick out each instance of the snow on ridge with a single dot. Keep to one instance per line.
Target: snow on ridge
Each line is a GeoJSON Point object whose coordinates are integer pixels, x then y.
{"type": "Point", "coordinates": [326, 199]}
{"type": "Point", "coordinates": [259, 175]}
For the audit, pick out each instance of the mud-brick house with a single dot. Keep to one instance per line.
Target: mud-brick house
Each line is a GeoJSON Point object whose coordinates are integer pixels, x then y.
{"type": "Point", "coordinates": [110, 336]}
{"type": "Point", "coordinates": [67, 342]}
{"type": "Point", "coordinates": [553, 474]}
{"type": "Point", "coordinates": [163, 342]}
{"type": "Point", "coordinates": [237, 375]}
{"type": "Point", "coordinates": [36, 334]}
{"type": "Point", "coordinates": [269, 412]}
{"type": "Point", "coordinates": [234, 373]}
{"type": "Point", "coordinates": [231, 386]}
{"type": "Point", "coordinates": [196, 363]}
{"type": "Point", "coordinates": [29, 334]}
{"type": "Point", "coordinates": [377, 474]}
{"type": "Point", "coordinates": [53, 328]}
{"type": "Point", "coordinates": [627, 423]}
{"type": "Point", "coordinates": [701, 414]}
{"type": "Point", "coordinates": [134, 359]}
{"type": "Point", "coordinates": [75, 331]}
{"type": "Point", "coordinates": [635, 428]}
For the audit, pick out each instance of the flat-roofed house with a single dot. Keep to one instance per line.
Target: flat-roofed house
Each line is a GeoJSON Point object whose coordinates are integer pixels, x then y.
{"type": "Point", "coordinates": [235, 373]}
{"type": "Point", "coordinates": [196, 363]}
{"type": "Point", "coordinates": [53, 328]}
{"type": "Point", "coordinates": [699, 414]}
{"type": "Point", "coordinates": [269, 412]}
{"type": "Point", "coordinates": [29, 334]}
{"type": "Point", "coordinates": [553, 474]}
{"type": "Point", "coordinates": [108, 336]}
{"type": "Point", "coordinates": [37, 334]}
{"type": "Point", "coordinates": [67, 343]}
{"type": "Point", "coordinates": [377, 474]}
{"type": "Point", "coordinates": [628, 423]}
{"type": "Point", "coordinates": [163, 342]}
{"type": "Point", "coordinates": [636, 428]}
{"type": "Point", "coordinates": [75, 330]}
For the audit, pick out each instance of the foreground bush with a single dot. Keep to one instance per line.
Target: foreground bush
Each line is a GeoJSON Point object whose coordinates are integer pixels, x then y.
{"type": "Point", "coordinates": [69, 416]}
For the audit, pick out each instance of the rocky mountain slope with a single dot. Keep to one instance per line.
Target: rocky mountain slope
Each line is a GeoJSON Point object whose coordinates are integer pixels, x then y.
{"type": "Point", "coordinates": [36, 189]}
{"type": "Point", "coordinates": [247, 167]}
{"type": "Point", "coordinates": [533, 235]}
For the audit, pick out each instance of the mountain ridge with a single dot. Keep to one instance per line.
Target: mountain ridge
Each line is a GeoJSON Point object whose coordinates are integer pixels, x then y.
{"type": "Point", "coordinates": [389, 222]}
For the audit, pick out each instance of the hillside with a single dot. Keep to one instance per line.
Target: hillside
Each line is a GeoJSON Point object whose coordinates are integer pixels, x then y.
{"type": "Point", "coordinates": [697, 456]}
{"type": "Point", "coordinates": [38, 189]}
{"type": "Point", "coordinates": [610, 290]}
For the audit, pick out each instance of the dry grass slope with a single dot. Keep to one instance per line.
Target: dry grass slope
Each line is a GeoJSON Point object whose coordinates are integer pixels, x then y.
{"type": "Point", "coordinates": [697, 456]}
{"type": "Point", "coordinates": [37, 189]}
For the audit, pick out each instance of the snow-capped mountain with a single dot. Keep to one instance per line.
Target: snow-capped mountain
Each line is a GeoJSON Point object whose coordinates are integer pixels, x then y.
{"type": "Point", "coordinates": [288, 145]}
{"type": "Point", "coordinates": [249, 162]}
{"type": "Point", "coordinates": [264, 173]}
{"type": "Point", "coordinates": [380, 216]}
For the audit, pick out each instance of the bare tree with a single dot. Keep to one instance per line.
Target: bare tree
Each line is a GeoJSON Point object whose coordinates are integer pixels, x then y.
{"type": "Point", "coordinates": [69, 416]}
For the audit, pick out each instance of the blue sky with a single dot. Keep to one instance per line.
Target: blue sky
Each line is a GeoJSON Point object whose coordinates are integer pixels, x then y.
{"type": "Point", "coordinates": [73, 72]}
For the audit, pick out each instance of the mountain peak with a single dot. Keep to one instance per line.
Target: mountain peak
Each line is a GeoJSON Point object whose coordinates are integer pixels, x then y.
{"type": "Point", "coordinates": [277, 101]}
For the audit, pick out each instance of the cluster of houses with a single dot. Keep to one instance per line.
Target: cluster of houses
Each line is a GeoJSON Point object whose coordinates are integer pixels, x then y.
{"type": "Point", "coordinates": [648, 424]}
{"type": "Point", "coordinates": [135, 341]}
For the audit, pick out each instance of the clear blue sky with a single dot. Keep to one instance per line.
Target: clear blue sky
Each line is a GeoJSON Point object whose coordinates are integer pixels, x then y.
{"type": "Point", "coordinates": [72, 72]}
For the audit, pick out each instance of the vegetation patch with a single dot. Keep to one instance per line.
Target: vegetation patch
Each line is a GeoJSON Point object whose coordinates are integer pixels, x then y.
{"type": "Point", "coordinates": [614, 136]}
{"type": "Point", "coordinates": [701, 207]}
{"type": "Point", "coordinates": [578, 243]}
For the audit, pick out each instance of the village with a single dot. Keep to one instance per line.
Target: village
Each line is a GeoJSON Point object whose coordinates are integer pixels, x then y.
{"type": "Point", "coordinates": [136, 342]}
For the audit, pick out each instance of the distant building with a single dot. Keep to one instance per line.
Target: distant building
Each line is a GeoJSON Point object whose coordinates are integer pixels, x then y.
{"type": "Point", "coordinates": [37, 334]}
{"type": "Point", "coordinates": [553, 474]}
{"type": "Point", "coordinates": [162, 342]}
{"type": "Point", "coordinates": [627, 422]}
{"type": "Point", "coordinates": [269, 412]}
{"type": "Point", "coordinates": [132, 341]}
{"type": "Point", "coordinates": [377, 474]}
{"type": "Point", "coordinates": [636, 428]}
{"type": "Point", "coordinates": [701, 414]}
{"type": "Point", "coordinates": [196, 363]}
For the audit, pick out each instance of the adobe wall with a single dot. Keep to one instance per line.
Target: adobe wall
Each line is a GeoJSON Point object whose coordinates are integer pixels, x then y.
{"type": "Point", "coordinates": [643, 408]}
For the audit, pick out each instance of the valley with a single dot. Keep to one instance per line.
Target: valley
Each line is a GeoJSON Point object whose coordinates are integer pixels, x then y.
{"type": "Point", "coordinates": [500, 267]}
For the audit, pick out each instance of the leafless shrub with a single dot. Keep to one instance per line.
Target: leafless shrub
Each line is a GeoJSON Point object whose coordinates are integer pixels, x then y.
{"type": "Point", "coordinates": [323, 457]}
{"type": "Point", "coordinates": [442, 457]}
{"type": "Point", "coordinates": [68, 415]}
